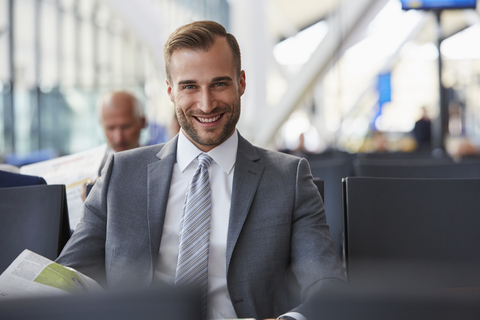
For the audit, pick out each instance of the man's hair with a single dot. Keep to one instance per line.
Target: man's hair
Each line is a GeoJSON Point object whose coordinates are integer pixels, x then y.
{"type": "Point", "coordinates": [200, 35]}
{"type": "Point", "coordinates": [107, 97]}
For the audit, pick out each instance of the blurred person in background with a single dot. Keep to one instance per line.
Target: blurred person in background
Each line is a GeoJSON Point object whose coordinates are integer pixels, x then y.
{"type": "Point", "coordinates": [423, 131]}
{"type": "Point", "coordinates": [379, 142]}
{"type": "Point", "coordinates": [122, 118]}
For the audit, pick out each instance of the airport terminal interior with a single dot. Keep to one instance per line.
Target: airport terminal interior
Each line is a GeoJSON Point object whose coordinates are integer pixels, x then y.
{"type": "Point", "coordinates": [381, 97]}
{"type": "Point", "coordinates": [349, 75]}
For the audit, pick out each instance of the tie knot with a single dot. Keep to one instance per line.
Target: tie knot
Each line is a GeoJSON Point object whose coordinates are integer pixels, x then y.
{"type": "Point", "coordinates": [204, 159]}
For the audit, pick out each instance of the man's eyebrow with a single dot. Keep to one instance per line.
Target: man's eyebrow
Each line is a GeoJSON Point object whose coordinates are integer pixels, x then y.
{"type": "Point", "coordinates": [187, 82]}
{"type": "Point", "coordinates": [217, 79]}
{"type": "Point", "coordinates": [226, 78]}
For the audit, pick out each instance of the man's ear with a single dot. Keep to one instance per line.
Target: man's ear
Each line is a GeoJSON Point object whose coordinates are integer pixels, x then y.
{"type": "Point", "coordinates": [143, 122]}
{"type": "Point", "coordinates": [169, 89]}
{"type": "Point", "coordinates": [242, 82]}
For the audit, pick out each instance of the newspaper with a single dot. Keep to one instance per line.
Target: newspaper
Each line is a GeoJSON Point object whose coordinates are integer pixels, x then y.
{"type": "Point", "coordinates": [74, 171]}
{"type": "Point", "coordinates": [31, 274]}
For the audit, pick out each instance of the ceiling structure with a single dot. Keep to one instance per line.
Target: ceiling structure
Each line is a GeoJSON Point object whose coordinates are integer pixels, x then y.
{"type": "Point", "coordinates": [287, 17]}
{"type": "Point", "coordinates": [348, 23]}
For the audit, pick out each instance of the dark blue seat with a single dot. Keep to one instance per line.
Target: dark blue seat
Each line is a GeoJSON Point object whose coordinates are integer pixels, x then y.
{"type": "Point", "coordinates": [156, 302]}
{"type": "Point", "coordinates": [331, 171]}
{"type": "Point", "coordinates": [405, 228]}
{"type": "Point", "coordinates": [10, 179]}
{"type": "Point", "coordinates": [34, 218]}
{"type": "Point", "coordinates": [416, 168]}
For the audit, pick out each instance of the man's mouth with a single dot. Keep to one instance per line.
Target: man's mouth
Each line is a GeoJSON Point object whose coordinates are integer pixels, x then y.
{"type": "Point", "coordinates": [208, 120]}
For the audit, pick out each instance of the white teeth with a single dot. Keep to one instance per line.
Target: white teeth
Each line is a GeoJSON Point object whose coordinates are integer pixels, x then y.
{"type": "Point", "coordinates": [207, 120]}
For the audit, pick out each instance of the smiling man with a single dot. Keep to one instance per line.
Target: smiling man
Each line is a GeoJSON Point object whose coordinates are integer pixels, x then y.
{"type": "Point", "coordinates": [205, 87]}
{"type": "Point", "coordinates": [208, 208]}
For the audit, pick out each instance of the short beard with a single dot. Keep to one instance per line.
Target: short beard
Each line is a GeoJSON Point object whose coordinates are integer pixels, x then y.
{"type": "Point", "coordinates": [214, 141]}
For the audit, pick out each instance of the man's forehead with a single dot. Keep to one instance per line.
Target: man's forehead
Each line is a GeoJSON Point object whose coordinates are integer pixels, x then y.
{"type": "Point", "coordinates": [193, 66]}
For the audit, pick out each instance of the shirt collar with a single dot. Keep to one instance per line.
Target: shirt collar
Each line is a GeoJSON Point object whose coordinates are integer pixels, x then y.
{"type": "Point", "coordinates": [224, 154]}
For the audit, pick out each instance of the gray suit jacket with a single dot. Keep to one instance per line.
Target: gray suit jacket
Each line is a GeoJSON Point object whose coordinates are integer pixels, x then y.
{"type": "Point", "coordinates": [277, 225]}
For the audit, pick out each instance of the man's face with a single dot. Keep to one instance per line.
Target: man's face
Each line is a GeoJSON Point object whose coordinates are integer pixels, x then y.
{"type": "Point", "coordinates": [206, 91]}
{"type": "Point", "coordinates": [122, 127]}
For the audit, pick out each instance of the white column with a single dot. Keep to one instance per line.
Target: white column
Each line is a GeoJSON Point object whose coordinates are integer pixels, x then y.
{"type": "Point", "coordinates": [247, 24]}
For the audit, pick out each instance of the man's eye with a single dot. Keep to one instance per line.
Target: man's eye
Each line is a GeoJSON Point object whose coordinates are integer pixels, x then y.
{"type": "Point", "coordinates": [220, 84]}
{"type": "Point", "coordinates": [189, 87]}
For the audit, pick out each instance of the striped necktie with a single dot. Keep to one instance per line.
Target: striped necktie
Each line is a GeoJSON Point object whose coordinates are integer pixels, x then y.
{"type": "Point", "coordinates": [192, 266]}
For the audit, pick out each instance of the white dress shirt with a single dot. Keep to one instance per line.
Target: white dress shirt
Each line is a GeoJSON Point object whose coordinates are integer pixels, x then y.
{"type": "Point", "coordinates": [221, 179]}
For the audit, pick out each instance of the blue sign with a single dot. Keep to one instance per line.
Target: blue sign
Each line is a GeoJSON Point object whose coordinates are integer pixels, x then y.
{"type": "Point", "coordinates": [438, 4]}
{"type": "Point", "coordinates": [384, 88]}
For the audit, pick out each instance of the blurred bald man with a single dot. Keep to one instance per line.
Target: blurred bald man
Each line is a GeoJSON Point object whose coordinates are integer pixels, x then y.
{"type": "Point", "coordinates": [122, 118]}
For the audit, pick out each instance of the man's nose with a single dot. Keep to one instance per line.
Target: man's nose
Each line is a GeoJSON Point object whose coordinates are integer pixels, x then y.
{"type": "Point", "coordinates": [117, 135]}
{"type": "Point", "coordinates": [207, 101]}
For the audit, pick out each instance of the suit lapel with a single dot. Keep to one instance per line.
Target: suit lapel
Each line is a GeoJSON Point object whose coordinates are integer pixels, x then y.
{"type": "Point", "coordinates": [248, 173]}
{"type": "Point", "coordinates": [158, 185]}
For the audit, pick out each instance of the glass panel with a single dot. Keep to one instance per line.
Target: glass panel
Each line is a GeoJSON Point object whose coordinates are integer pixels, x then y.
{"type": "Point", "coordinates": [67, 4]}
{"type": "Point", "coordinates": [4, 76]}
{"type": "Point", "coordinates": [24, 66]}
{"type": "Point", "coordinates": [24, 40]}
{"type": "Point", "coordinates": [116, 54]}
{"type": "Point", "coordinates": [85, 45]}
{"type": "Point", "coordinates": [128, 64]}
{"type": "Point", "coordinates": [103, 47]}
{"type": "Point", "coordinates": [67, 43]}
{"type": "Point", "coordinates": [49, 63]}
{"type": "Point", "coordinates": [86, 71]}
{"type": "Point", "coordinates": [83, 131]}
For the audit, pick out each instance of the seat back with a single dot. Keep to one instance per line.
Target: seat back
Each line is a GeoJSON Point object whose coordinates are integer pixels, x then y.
{"type": "Point", "coordinates": [416, 168]}
{"type": "Point", "coordinates": [411, 220]}
{"type": "Point", "coordinates": [366, 305]}
{"type": "Point", "coordinates": [156, 302]}
{"type": "Point", "coordinates": [34, 218]}
{"type": "Point", "coordinates": [11, 179]}
{"type": "Point", "coordinates": [331, 171]}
